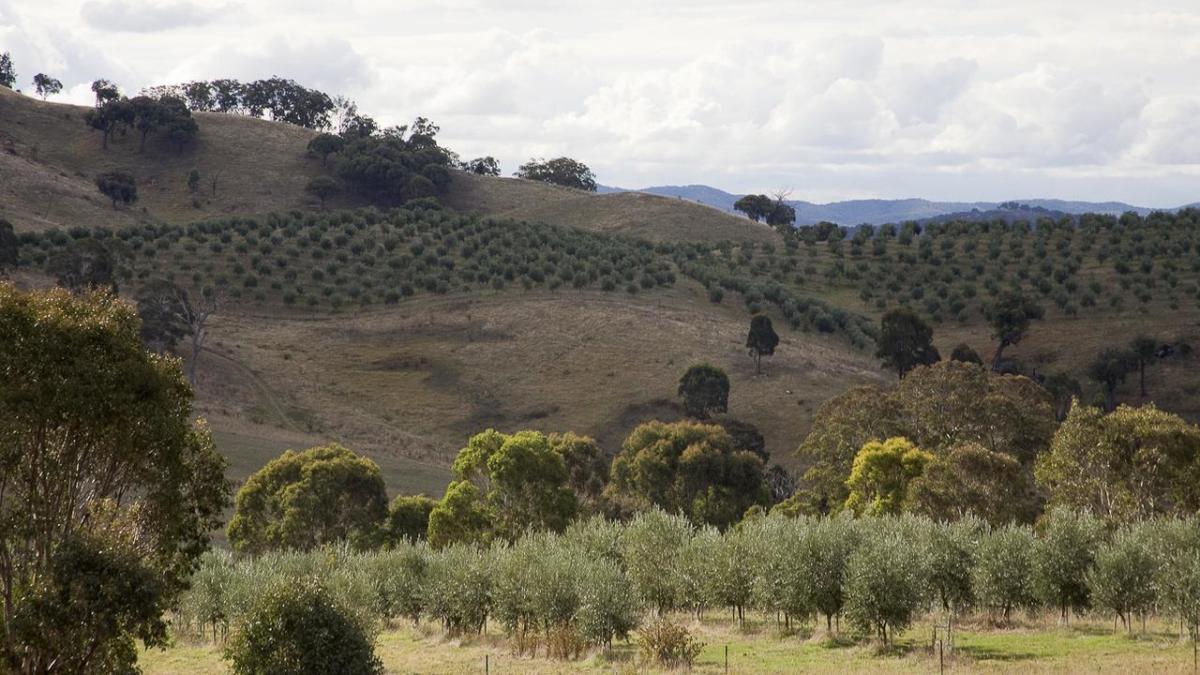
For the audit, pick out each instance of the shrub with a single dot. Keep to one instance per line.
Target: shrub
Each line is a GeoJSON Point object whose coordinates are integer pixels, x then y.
{"type": "Point", "coordinates": [1002, 578]}
{"type": "Point", "coordinates": [885, 583]}
{"type": "Point", "coordinates": [301, 631]}
{"type": "Point", "coordinates": [669, 644]}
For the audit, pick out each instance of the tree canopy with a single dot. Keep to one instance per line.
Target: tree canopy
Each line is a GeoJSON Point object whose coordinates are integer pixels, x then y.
{"type": "Point", "coordinates": [762, 339]}
{"type": "Point", "coordinates": [109, 490]}
{"type": "Point", "coordinates": [1009, 317]}
{"type": "Point", "coordinates": [704, 389]}
{"type": "Point", "coordinates": [306, 499]}
{"type": "Point", "coordinates": [937, 407]}
{"type": "Point", "coordinates": [1130, 464]}
{"type": "Point", "coordinates": [45, 85]}
{"type": "Point", "coordinates": [559, 171]}
{"type": "Point", "coordinates": [504, 485]}
{"type": "Point", "coordinates": [8, 75]}
{"type": "Point", "coordinates": [905, 341]}
{"type": "Point", "coordinates": [690, 468]}
{"type": "Point", "coordinates": [881, 474]}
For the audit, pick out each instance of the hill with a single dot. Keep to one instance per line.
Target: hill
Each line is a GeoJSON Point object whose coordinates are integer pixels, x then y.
{"type": "Point", "coordinates": [49, 159]}
{"type": "Point", "coordinates": [881, 211]}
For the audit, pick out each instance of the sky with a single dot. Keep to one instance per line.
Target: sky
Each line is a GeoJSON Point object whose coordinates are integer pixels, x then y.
{"type": "Point", "coordinates": [846, 99]}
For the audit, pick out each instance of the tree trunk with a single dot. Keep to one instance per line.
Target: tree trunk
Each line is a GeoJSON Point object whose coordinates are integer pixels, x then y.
{"type": "Point", "coordinates": [998, 356]}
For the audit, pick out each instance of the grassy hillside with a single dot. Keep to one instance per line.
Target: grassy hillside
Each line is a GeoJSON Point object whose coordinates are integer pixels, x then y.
{"type": "Point", "coordinates": [631, 213]}
{"type": "Point", "coordinates": [49, 158]}
{"type": "Point", "coordinates": [413, 382]}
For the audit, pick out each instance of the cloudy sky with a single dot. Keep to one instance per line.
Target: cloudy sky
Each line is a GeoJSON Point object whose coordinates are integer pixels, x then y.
{"type": "Point", "coordinates": [965, 100]}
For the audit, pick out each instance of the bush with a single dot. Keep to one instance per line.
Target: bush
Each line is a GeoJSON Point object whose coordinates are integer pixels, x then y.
{"type": "Point", "coordinates": [669, 644]}
{"type": "Point", "coordinates": [301, 631]}
{"type": "Point", "coordinates": [885, 583]}
{"type": "Point", "coordinates": [1002, 578]}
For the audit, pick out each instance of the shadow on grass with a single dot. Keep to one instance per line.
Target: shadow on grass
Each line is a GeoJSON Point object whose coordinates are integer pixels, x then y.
{"type": "Point", "coordinates": [980, 653]}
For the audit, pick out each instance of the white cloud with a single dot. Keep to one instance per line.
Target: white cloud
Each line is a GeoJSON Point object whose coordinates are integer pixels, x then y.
{"type": "Point", "coordinates": [873, 98]}
{"type": "Point", "coordinates": [145, 16]}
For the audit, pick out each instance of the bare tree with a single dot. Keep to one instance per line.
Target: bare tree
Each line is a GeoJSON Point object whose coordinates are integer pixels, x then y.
{"type": "Point", "coordinates": [169, 313]}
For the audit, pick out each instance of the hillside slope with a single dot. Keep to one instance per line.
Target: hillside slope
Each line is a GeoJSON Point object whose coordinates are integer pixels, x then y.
{"type": "Point", "coordinates": [408, 385]}
{"type": "Point", "coordinates": [49, 160]}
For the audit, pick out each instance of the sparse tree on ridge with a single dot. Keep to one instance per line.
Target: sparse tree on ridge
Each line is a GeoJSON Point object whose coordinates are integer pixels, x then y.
{"type": "Point", "coordinates": [756, 207]}
{"type": "Point", "coordinates": [762, 340]}
{"type": "Point", "coordinates": [105, 91]}
{"type": "Point", "coordinates": [704, 389]}
{"type": "Point", "coordinates": [559, 171]}
{"type": "Point", "coordinates": [8, 76]}
{"type": "Point", "coordinates": [482, 166]}
{"type": "Point", "coordinates": [45, 85]}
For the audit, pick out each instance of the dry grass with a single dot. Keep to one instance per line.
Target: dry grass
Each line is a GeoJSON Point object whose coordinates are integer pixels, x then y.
{"type": "Point", "coordinates": [49, 158]}
{"type": "Point", "coordinates": [629, 213]}
{"type": "Point", "coordinates": [1085, 647]}
{"type": "Point", "coordinates": [414, 382]}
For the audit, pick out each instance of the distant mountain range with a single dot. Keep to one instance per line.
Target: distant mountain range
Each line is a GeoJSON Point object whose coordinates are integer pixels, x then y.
{"type": "Point", "coordinates": [879, 211]}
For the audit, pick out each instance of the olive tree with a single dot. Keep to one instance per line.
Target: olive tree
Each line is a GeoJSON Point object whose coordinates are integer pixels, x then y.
{"type": "Point", "coordinates": [1063, 558]}
{"type": "Point", "coordinates": [1002, 579]}
{"type": "Point", "coordinates": [886, 579]}
{"type": "Point", "coordinates": [1123, 580]}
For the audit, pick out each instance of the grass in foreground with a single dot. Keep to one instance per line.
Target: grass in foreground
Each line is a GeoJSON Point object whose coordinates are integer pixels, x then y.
{"type": "Point", "coordinates": [1087, 646]}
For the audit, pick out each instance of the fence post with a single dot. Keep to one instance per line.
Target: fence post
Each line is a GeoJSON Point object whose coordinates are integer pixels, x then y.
{"type": "Point", "coordinates": [726, 659]}
{"type": "Point", "coordinates": [487, 664]}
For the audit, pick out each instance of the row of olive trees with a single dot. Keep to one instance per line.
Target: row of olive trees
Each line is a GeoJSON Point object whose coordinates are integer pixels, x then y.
{"type": "Point", "coordinates": [598, 580]}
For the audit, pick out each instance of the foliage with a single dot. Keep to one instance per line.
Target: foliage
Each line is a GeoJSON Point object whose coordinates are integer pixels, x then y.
{"type": "Point", "coordinates": [668, 644]}
{"type": "Point", "coordinates": [704, 389]}
{"type": "Point", "coordinates": [1110, 368]}
{"type": "Point", "coordinates": [1002, 579]}
{"type": "Point", "coordinates": [971, 480]}
{"type": "Point", "coordinates": [559, 171]}
{"type": "Point", "coordinates": [408, 518]}
{"type": "Point", "coordinates": [45, 85]}
{"type": "Point", "coordinates": [963, 352]}
{"type": "Point", "coordinates": [952, 548]}
{"type": "Point", "coordinates": [1130, 464]}
{"type": "Point", "coordinates": [520, 481]}
{"type": "Point", "coordinates": [119, 186]}
{"type": "Point", "coordinates": [885, 583]}
{"type": "Point", "coordinates": [689, 468]}
{"type": "Point", "coordinates": [109, 490]}
{"type": "Point", "coordinates": [304, 500]}
{"type": "Point", "coordinates": [905, 342]}
{"type": "Point", "coordinates": [762, 340]}
{"type": "Point", "coordinates": [1009, 317]}
{"type": "Point", "coordinates": [8, 76]}
{"type": "Point", "coordinates": [276, 98]}
{"type": "Point", "coordinates": [1063, 557]}
{"type": "Point", "coordinates": [651, 543]}
{"type": "Point", "coordinates": [301, 631]}
{"type": "Point", "coordinates": [459, 517]}
{"type": "Point", "coordinates": [881, 475]}
{"type": "Point", "coordinates": [323, 187]}
{"type": "Point", "coordinates": [10, 246]}
{"type": "Point", "coordinates": [938, 408]}
{"type": "Point", "coordinates": [1123, 580]}
{"type": "Point", "coordinates": [401, 164]}
{"type": "Point", "coordinates": [482, 166]}
{"type": "Point", "coordinates": [324, 145]}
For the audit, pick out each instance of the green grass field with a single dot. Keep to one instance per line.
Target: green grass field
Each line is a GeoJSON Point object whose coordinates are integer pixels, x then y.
{"type": "Point", "coordinates": [1039, 646]}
